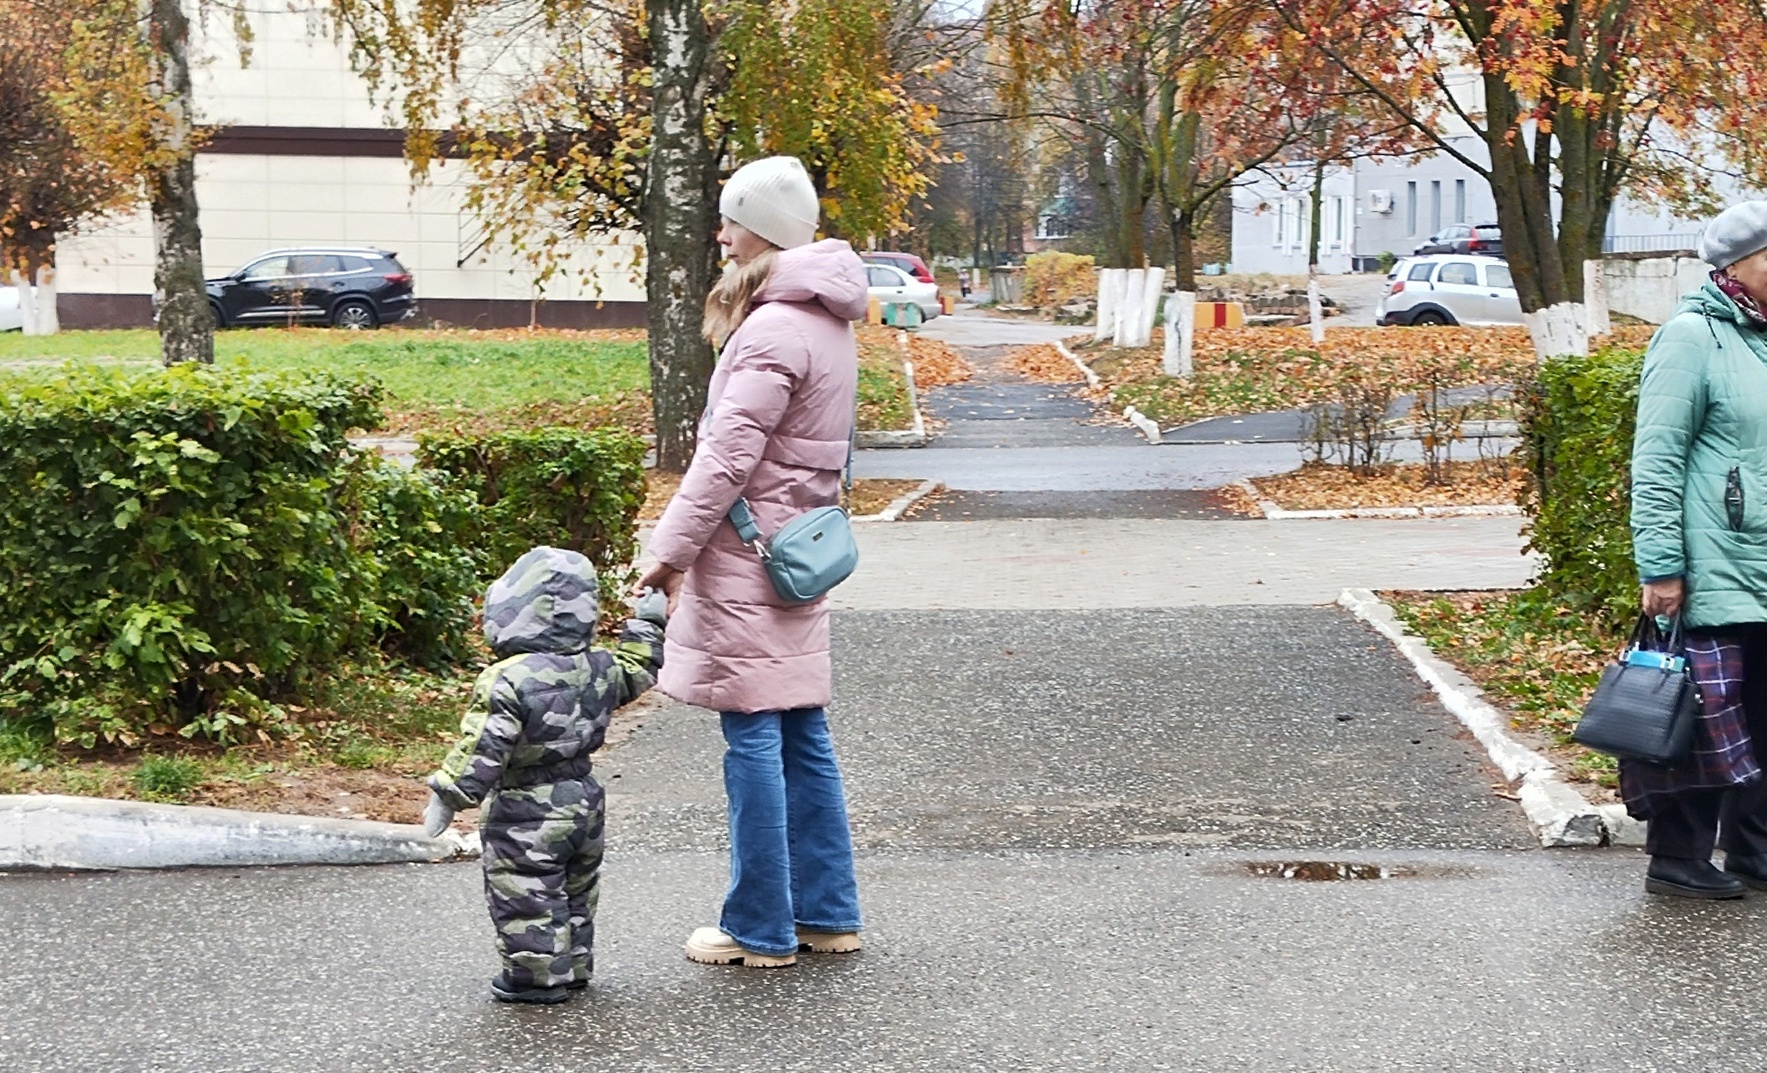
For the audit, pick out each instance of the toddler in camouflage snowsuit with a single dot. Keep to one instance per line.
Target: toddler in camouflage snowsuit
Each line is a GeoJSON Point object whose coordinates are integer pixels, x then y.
{"type": "Point", "coordinates": [535, 717]}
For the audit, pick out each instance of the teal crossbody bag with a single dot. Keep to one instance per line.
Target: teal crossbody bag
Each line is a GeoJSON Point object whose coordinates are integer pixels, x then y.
{"type": "Point", "coordinates": [810, 554]}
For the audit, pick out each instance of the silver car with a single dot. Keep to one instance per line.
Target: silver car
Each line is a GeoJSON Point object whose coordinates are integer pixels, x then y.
{"type": "Point", "coordinates": [891, 285]}
{"type": "Point", "coordinates": [1451, 289]}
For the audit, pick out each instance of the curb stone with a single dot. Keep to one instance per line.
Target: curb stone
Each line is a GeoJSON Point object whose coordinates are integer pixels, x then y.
{"type": "Point", "coordinates": [899, 506]}
{"type": "Point", "coordinates": [1273, 512]}
{"type": "Point", "coordinates": [55, 832]}
{"type": "Point", "coordinates": [1144, 424]}
{"type": "Point", "coordinates": [1559, 815]}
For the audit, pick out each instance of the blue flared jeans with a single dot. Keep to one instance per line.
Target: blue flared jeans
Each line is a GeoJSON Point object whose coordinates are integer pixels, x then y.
{"type": "Point", "coordinates": [791, 851]}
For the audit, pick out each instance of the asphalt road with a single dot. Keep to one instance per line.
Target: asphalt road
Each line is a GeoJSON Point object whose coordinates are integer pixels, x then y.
{"type": "Point", "coordinates": [1057, 816]}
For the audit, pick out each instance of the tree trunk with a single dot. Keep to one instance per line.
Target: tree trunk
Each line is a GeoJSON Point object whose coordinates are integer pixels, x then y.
{"type": "Point", "coordinates": [1184, 250]}
{"type": "Point", "coordinates": [680, 220]}
{"type": "Point", "coordinates": [48, 316]}
{"type": "Point", "coordinates": [187, 327]}
{"type": "Point", "coordinates": [1315, 310]}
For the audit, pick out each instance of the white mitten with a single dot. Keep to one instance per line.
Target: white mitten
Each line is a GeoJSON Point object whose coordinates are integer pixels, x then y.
{"type": "Point", "coordinates": [436, 816]}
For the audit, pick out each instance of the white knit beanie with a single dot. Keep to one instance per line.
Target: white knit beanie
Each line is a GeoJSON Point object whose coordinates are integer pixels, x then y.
{"type": "Point", "coordinates": [775, 199]}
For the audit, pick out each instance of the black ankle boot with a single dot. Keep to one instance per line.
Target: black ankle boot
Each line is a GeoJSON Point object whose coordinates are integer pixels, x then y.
{"type": "Point", "coordinates": [504, 991]}
{"type": "Point", "coordinates": [1682, 877]}
{"type": "Point", "coordinates": [1750, 868]}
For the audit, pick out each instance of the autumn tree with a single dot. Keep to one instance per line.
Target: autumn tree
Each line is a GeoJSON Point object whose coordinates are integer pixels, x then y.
{"type": "Point", "coordinates": [127, 99]}
{"type": "Point", "coordinates": [581, 118]}
{"type": "Point", "coordinates": [1575, 104]}
{"type": "Point", "coordinates": [1168, 101]}
{"type": "Point", "coordinates": [49, 184]}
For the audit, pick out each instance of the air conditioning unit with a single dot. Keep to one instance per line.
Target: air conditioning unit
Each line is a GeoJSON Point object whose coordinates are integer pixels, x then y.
{"type": "Point", "coordinates": [1380, 201]}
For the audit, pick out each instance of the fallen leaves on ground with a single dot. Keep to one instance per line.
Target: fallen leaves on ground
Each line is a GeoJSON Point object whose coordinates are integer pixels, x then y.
{"type": "Point", "coordinates": [1044, 364]}
{"type": "Point", "coordinates": [872, 496]}
{"type": "Point", "coordinates": [1254, 370]}
{"type": "Point", "coordinates": [1538, 661]}
{"type": "Point", "coordinates": [1323, 486]}
{"type": "Point", "coordinates": [936, 364]}
{"type": "Point", "coordinates": [629, 411]}
{"type": "Point", "coordinates": [868, 496]}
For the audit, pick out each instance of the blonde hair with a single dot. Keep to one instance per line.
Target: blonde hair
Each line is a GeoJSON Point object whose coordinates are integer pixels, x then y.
{"type": "Point", "coordinates": [728, 304]}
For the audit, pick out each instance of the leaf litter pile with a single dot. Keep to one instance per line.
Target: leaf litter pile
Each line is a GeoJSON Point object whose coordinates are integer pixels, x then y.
{"type": "Point", "coordinates": [1318, 486]}
{"type": "Point", "coordinates": [1044, 364]}
{"type": "Point", "coordinates": [1260, 370]}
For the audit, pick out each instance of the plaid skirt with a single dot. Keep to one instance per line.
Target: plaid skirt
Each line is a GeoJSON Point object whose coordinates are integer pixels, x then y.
{"type": "Point", "coordinates": [1723, 756]}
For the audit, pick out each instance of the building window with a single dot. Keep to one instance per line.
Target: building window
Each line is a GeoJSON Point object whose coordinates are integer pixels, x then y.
{"type": "Point", "coordinates": [1339, 231]}
{"type": "Point", "coordinates": [1460, 201]}
{"type": "Point", "coordinates": [1411, 208]}
{"type": "Point", "coordinates": [1435, 205]}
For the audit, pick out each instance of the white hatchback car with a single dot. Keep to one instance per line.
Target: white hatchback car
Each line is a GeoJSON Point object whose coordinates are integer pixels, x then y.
{"type": "Point", "coordinates": [890, 284]}
{"type": "Point", "coordinates": [1451, 289]}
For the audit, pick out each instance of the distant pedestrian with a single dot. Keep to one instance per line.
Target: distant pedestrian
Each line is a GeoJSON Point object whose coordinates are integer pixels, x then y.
{"type": "Point", "coordinates": [1699, 525]}
{"type": "Point", "coordinates": [777, 431]}
{"type": "Point", "coordinates": [535, 716]}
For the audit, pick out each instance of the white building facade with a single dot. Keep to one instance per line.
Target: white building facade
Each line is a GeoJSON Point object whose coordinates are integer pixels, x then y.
{"type": "Point", "coordinates": [300, 155]}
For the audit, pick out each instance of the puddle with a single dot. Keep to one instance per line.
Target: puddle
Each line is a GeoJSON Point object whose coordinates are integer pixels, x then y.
{"type": "Point", "coordinates": [1323, 871]}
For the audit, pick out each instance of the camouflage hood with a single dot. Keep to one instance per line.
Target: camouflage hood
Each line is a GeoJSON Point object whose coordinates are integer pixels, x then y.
{"type": "Point", "coordinates": [547, 602]}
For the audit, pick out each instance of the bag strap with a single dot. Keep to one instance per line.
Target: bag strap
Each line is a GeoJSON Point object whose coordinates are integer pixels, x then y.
{"type": "Point", "coordinates": [744, 521]}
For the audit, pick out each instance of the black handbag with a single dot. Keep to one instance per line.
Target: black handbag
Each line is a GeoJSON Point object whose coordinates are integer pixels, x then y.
{"type": "Point", "coordinates": [1647, 703]}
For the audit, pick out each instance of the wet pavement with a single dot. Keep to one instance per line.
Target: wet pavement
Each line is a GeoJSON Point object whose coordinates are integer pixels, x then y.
{"type": "Point", "coordinates": [963, 506]}
{"type": "Point", "coordinates": [1107, 753]}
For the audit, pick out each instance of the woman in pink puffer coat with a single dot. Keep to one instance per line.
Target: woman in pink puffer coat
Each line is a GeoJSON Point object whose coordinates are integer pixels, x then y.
{"type": "Point", "coordinates": [777, 428]}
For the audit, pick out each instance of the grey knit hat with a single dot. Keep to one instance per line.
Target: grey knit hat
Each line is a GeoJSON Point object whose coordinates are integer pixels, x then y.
{"type": "Point", "coordinates": [1736, 232]}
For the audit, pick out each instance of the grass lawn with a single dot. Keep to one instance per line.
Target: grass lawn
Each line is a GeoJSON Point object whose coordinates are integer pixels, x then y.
{"type": "Point", "coordinates": [1537, 661]}
{"type": "Point", "coordinates": [366, 735]}
{"type": "Point", "coordinates": [464, 380]}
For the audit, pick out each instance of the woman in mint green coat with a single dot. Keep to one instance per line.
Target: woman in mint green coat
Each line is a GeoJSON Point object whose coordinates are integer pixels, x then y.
{"type": "Point", "coordinates": [1699, 531]}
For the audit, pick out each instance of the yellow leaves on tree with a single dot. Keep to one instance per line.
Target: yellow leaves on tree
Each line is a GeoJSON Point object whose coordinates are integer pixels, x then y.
{"type": "Point", "coordinates": [816, 80]}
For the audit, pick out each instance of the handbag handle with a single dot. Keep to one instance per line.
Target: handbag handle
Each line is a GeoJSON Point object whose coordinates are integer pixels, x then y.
{"type": "Point", "coordinates": [1647, 636]}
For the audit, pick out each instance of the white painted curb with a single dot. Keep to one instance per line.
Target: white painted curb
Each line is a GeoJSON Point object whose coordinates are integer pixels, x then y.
{"type": "Point", "coordinates": [899, 506]}
{"type": "Point", "coordinates": [1092, 379]}
{"type": "Point", "coordinates": [55, 832]}
{"type": "Point", "coordinates": [1275, 513]}
{"type": "Point", "coordinates": [1146, 425]}
{"type": "Point", "coordinates": [1559, 814]}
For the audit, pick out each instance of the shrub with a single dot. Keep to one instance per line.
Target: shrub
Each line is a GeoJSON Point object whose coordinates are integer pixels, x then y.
{"type": "Point", "coordinates": [565, 487]}
{"type": "Point", "coordinates": [417, 535]}
{"type": "Point", "coordinates": [168, 541]}
{"type": "Point", "coordinates": [1055, 279]}
{"type": "Point", "coordinates": [185, 548]}
{"type": "Point", "coordinates": [1577, 434]}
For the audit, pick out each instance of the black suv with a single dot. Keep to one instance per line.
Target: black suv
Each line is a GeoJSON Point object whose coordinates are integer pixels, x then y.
{"type": "Point", "coordinates": [339, 286]}
{"type": "Point", "coordinates": [1463, 238]}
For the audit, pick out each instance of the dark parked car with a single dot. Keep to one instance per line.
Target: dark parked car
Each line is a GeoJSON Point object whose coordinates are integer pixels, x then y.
{"type": "Point", "coordinates": [1483, 239]}
{"type": "Point", "coordinates": [907, 262]}
{"type": "Point", "coordinates": [339, 286]}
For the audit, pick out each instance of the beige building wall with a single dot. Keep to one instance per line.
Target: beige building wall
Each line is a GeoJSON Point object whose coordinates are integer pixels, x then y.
{"type": "Point", "coordinates": [303, 156]}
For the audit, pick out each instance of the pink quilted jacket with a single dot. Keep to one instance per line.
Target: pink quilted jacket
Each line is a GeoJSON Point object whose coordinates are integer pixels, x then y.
{"type": "Point", "coordinates": [778, 417]}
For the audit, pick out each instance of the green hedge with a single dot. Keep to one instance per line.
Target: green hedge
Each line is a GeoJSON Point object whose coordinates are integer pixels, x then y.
{"type": "Point", "coordinates": [569, 488]}
{"type": "Point", "coordinates": [186, 547]}
{"type": "Point", "coordinates": [1577, 435]}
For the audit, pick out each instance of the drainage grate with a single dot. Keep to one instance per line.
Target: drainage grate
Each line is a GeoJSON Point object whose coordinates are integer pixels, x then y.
{"type": "Point", "coordinates": [1322, 871]}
